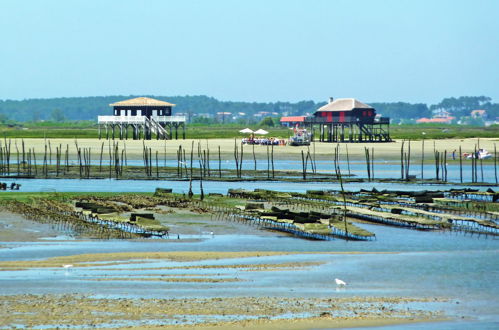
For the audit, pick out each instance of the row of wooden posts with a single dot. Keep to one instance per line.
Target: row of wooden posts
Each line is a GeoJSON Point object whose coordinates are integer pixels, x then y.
{"type": "Point", "coordinates": [27, 163]}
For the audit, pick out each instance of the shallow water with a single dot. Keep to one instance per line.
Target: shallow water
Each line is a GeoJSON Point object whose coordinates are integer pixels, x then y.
{"type": "Point", "coordinates": [461, 267]}
{"type": "Point", "coordinates": [383, 169]}
{"type": "Point", "coordinates": [112, 185]}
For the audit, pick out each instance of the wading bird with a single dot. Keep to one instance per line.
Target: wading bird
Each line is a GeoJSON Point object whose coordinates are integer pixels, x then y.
{"type": "Point", "coordinates": [339, 282]}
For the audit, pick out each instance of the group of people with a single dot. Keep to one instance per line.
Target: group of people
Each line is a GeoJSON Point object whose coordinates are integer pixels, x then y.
{"type": "Point", "coordinates": [264, 141]}
{"type": "Point", "coordinates": [13, 186]}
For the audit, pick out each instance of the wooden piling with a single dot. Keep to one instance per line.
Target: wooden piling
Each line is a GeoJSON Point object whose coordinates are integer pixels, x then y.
{"type": "Point", "coordinates": [460, 164]}
{"type": "Point", "coordinates": [495, 163]}
{"type": "Point", "coordinates": [219, 163]}
{"type": "Point", "coordinates": [348, 160]}
{"type": "Point", "coordinates": [422, 159]}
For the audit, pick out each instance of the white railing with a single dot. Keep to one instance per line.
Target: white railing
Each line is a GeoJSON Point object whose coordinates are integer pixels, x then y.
{"type": "Point", "coordinates": [138, 119]}
{"type": "Point", "coordinates": [169, 119]}
{"type": "Point", "coordinates": [156, 128]}
{"type": "Point", "coordinates": [121, 119]}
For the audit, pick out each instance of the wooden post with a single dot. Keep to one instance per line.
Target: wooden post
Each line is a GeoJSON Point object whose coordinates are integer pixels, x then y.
{"type": "Point", "coordinates": [460, 164]}
{"type": "Point", "coordinates": [190, 194]}
{"type": "Point", "coordinates": [445, 165]}
{"type": "Point", "coordinates": [241, 161]}
{"type": "Point", "coordinates": [219, 163]}
{"type": "Point", "coordinates": [254, 157]}
{"type": "Point", "coordinates": [50, 153]}
{"type": "Point", "coordinates": [437, 164]}
{"type": "Point", "coordinates": [368, 164]}
{"type": "Point", "coordinates": [268, 162]}
{"type": "Point", "coordinates": [348, 158]}
{"type": "Point", "coordinates": [315, 163]}
{"type": "Point", "coordinates": [101, 153]}
{"type": "Point", "coordinates": [304, 167]}
{"type": "Point", "coordinates": [272, 160]}
{"type": "Point", "coordinates": [34, 161]}
{"type": "Point", "coordinates": [371, 160]}
{"type": "Point", "coordinates": [157, 168]}
{"type": "Point", "coordinates": [402, 161]}
{"type": "Point", "coordinates": [23, 155]}
{"type": "Point", "coordinates": [495, 163]}
{"type": "Point", "coordinates": [18, 160]}
{"type": "Point", "coordinates": [236, 157]}
{"type": "Point", "coordinates": [422, 160]}
{"type": "Point", "coordinates": [208, 159]}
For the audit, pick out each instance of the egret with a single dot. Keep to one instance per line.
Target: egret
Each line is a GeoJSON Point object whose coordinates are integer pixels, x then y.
{"type": "Point", "coordinates": [339, 282]}
{"type": "Point", "coordinates": [67, 266]}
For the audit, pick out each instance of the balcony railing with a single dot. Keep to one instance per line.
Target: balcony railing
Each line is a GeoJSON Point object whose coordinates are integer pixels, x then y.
{"type": "Point", "coordinates": [138, 119]}
{"type": "Point", "coordinates": [169, 119]}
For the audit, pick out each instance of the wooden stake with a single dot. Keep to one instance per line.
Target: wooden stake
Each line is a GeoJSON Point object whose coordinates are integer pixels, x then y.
{"type": "Point", "coordinates": [495, 163]}
{"type": "Point", "coordinates": [460, 164]}
{"type": "Point", "coordinates": [422, 160]}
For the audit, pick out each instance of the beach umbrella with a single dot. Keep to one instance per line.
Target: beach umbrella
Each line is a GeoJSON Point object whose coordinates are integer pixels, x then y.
{"type": "Point", "coordinates": [246, 130]}
{"type": "Point", "coordinates": [261, 132]}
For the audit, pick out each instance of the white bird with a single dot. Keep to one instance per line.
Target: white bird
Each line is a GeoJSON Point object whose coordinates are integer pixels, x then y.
{"type": "Point", "coordinates": [67, 266]}
{"type": "Point", "coordinates": [339, 282]}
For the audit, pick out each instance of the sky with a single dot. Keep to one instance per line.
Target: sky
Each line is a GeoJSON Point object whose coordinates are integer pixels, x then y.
{"type": "Point", "coordinates": [254, 50]}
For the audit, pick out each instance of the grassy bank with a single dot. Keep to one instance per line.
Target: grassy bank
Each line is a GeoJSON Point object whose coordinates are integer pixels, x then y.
{"type": "Point", "coordinates": [86, 130]}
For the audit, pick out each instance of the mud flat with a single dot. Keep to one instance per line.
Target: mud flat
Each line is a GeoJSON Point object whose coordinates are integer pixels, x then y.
{"type": "Point", "coordinates": [198, 269]}
{"type": "Point", "coordinates": [46, 311]}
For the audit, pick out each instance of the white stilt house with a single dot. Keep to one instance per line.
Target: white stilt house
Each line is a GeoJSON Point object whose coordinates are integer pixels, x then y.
{"type": "Point", "coordinates": [145, 117]}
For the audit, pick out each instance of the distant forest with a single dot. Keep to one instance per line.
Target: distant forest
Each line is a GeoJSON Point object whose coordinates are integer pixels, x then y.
{"type": "Point", "coordinates": [88, 108]}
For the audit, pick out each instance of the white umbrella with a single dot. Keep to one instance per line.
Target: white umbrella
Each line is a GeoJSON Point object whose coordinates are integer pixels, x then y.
{"type": "Point", "coordinates": [246, 130]}
{"type": "Point", "coordinates": [261, 132]}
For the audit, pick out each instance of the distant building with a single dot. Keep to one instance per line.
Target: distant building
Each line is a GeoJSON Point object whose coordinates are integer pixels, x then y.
{"type": "Point", "coordinates": [478, 114]}
{"type": "Point", "coordinates": [440, 120]}
{"type": "Point", "coordinates": [144, 116]}
{"type": "Point", "coordinates": [348, 120]}
{"type": "Point", "coordinates": [292, 121]}
{"type": "Point", "coordinates": [224, 116]}
{"type": "Point", "coordinates": [344, 120]}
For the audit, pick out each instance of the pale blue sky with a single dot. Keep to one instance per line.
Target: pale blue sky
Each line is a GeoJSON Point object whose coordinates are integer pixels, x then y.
{"type": "Point", "coordinates": [269, 50]}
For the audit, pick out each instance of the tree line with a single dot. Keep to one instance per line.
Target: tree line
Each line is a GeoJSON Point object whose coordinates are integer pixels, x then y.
{"type": "Point", "coordinates": [88, 108]}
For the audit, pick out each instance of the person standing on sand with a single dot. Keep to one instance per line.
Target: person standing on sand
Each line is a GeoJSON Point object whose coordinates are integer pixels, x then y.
{"type": "Point", "coordinates": [454, 154]}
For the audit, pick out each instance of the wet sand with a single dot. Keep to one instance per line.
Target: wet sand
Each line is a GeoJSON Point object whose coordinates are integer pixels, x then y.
{"type": "Point", "coordinates": [207, 268]}
{"type": "Point", "coordinates": [218, 313]}
{"type": "Point", "coordinates": [15, 228]}
{"type": "Point", "coordinates": [127, 258]}
{"type": "Point", "coordinates": [387, 151]}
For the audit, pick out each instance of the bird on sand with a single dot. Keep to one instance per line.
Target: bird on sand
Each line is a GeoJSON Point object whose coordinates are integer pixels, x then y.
{"type": "Point", "coordinates": [340, 282]}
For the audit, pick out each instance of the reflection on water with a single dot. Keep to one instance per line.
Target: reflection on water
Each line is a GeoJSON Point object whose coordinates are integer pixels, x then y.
{"type": "Point", "coordinates": [382, 168]}
{"type": "Point", "coordinates": [112, 185]}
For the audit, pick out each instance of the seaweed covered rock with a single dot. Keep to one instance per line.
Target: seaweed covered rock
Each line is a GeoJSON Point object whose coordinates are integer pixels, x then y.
{"type": "Point", "coordinates": [162, 191]}
{"type": "Point", "coordinates": [254, 206]}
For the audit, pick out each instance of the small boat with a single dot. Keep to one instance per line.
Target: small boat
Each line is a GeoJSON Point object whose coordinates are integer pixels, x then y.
{"type": "Point", "coordinates": [301, 138]}
{"type": "Point", "coordinates": [480, 154]}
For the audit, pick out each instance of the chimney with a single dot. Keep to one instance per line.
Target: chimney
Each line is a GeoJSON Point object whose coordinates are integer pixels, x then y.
{"type": "Point", "coordinates": [331, 99]}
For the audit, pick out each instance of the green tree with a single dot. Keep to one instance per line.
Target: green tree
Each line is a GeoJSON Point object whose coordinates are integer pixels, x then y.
{"type": "Point", "coordinates": [57, 115]}
{"type": "Point", "coordinates": [3, 118]}
{"type": "Point", "coordinates": [267, 121]}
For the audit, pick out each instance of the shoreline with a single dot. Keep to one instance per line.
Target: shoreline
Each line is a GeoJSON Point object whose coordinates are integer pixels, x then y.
{"type": "Point", "coordinates": [323, 150]}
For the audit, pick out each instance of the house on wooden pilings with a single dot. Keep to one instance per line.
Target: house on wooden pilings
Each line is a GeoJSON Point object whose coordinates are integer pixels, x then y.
{"type": "Point", "coordinates": [348, 120]}
{"type": "Point", "coordinates": [141, 118]}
